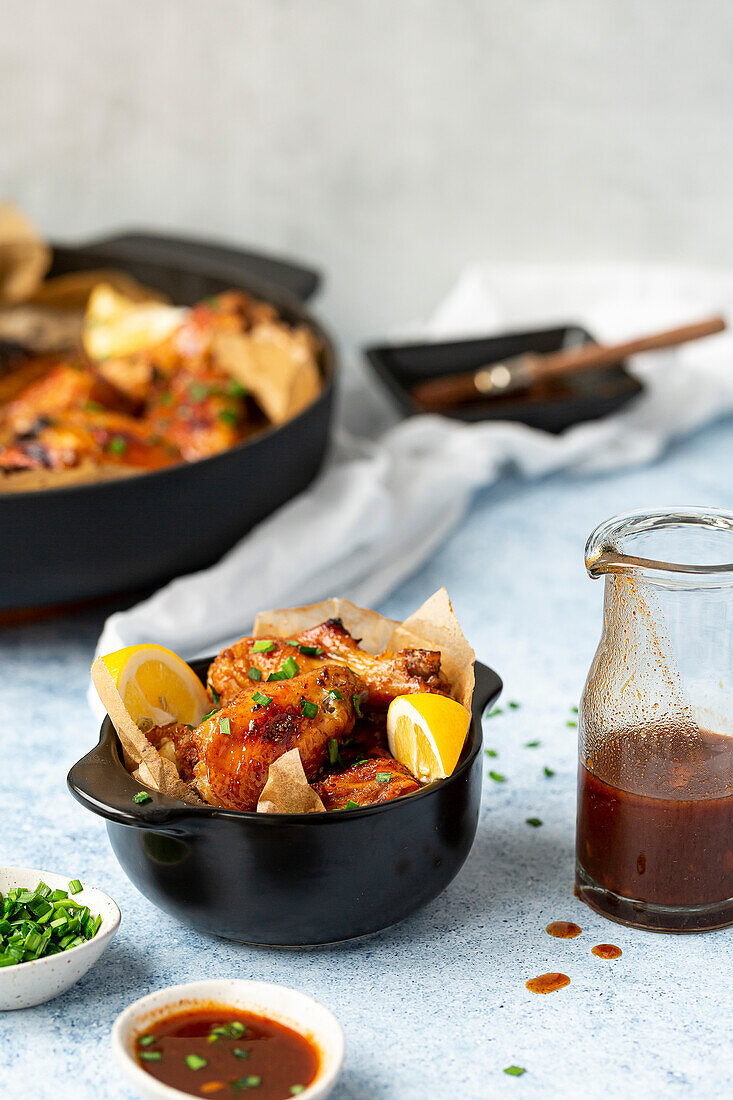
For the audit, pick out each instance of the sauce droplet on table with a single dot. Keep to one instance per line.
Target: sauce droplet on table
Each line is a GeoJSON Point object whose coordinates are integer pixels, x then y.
{"type": "Point", "coordinates": [607, 951]}
{"type": "Point", "coordinates": [563, 929]}
{"type": "Point", "coordinates": [547, 983]}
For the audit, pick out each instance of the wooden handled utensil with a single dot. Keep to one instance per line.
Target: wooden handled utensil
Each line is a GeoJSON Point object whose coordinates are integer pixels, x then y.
{"type": "Point", "coordinates": [497, 379]}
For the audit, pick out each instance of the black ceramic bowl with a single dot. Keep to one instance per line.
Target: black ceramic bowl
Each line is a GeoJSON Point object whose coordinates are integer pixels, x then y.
{"type": "Point", "coordinates": [86, 541]}
{"type": "Point", "coordinates": [553, 408]}
{"type": "Point", "coordinates": [289, 879]}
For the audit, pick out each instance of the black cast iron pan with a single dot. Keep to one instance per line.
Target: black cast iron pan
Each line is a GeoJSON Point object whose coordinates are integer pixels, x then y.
{"type": "Point", "coordinates": [82, 542]}
{"type": "Point", "coordinates": [289, 879]}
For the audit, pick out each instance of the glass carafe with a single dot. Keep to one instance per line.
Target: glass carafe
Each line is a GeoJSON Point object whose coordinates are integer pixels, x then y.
{"type": "Point", "coordinates": [654, 843]}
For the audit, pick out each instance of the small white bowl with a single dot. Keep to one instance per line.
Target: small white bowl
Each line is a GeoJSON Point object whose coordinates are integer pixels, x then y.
{"type": "Point", "coordinates": [286, 1006]}
{"type": "Point", "coordinates": [32, 983]}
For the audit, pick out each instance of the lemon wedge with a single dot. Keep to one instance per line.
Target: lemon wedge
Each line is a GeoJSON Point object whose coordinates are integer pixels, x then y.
{"type": "Point", "coordinates": [115, 325]}
{"type": "Point", "coordinates": [153, 684]}
{"type": "Point", "coordinates": [426, 733]}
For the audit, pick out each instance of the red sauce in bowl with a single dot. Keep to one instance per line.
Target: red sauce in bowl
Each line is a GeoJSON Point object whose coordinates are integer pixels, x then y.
{"type": "Point", "coordinates": [222, 1052]}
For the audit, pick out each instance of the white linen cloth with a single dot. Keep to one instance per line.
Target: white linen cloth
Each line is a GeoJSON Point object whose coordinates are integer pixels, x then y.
{"type": "Point", "coordinates": [383, 504]}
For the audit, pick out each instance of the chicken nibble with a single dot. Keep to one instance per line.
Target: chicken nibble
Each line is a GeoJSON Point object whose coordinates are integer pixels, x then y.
{"type": "Point", "coordinates": [385, 675]}
{"type": "Point", "coordinates": [365, 784]}
{"type": "Point", "coordinates": [235, 747]}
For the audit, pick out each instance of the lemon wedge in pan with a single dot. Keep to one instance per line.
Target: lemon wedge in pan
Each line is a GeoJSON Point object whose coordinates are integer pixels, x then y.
{"type": "Point", "coordinates": [115, 325]}
{"type": "Point", "coordinates": [426, 733]}
{"type": "Point", "coordinates": [154, 685]}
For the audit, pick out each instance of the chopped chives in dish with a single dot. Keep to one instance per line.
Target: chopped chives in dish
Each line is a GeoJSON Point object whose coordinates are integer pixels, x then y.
{"type": "Point", "coordinates": [37, 923]}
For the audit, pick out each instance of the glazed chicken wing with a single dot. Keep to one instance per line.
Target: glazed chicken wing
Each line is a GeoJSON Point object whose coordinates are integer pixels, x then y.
{"type": "Point", "coordinates": [385, 676]}
{"type": "Point", "coordinates": [366, 783]}
{"type": "Point", "coordinates": [237, 745]}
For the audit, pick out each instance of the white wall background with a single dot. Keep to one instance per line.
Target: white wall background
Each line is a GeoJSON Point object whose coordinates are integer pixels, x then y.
{"type": "Point", "coordinates": [389, 141]}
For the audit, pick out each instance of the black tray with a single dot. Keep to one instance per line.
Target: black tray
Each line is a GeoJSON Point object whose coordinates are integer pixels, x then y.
{"type": "Point", "coordinates": [583, 396]}
{"type": "Point", "coordinates": [82, 542]}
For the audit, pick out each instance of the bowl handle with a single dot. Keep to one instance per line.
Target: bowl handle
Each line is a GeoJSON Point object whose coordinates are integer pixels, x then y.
{"type": "Point", "coordinates": [301, 282]}
{"type": "Point", "coordinates": [487, 690]}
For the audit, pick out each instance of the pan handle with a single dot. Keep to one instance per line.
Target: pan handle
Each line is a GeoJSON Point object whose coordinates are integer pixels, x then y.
{"type": "Point", "coordinates": [301, 282]}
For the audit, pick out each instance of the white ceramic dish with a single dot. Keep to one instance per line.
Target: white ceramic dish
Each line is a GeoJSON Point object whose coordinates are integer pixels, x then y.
{"type": "Point", "coordinates": [287, 1006]}
{"type": "Point", "coordinates": [32, 983]}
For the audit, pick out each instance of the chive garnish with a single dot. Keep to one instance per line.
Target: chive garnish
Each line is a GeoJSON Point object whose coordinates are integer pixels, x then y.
{"type": "Point", "coordinates": [117, 445]}
{"type": "Point", "coordinates": [334, 693]}
{"type": "Point", "coordinates": [262, 700]}
{"type": "Point", "coordinates": [357, 706]}
{"type": "Point", "coordinates": [351, 805]}
{"type": "Point", "coordinates": [310, 650]}
{"type": "Point", "coordinates": [493, 713]}
{"type": "Point", "coordinates": [534, 822]}
{"type": "Point", "coordinates": [333, 750]}
{"type": "Point", "coordinates": [263, 645]}
{"type": "Point", "coordinates": [549, 772]}
{"type": "Point", "coordinates": [289, 667]}
{"type": "Point", "coordinates": [141, 798]}
{"type": "Point", "coordinates": [310, 710]}
{"type": "Point", "coordinates": [150, 1055]}
{"type": "Point", "coordinates": [146, 1040]}
{"type": "Point", "coordinates": [195, 1061]}
{"type": "Point", "coordinates": [515, 1071]}
{"type": "Point", "coordinates": [197, 392]}
{"type": "Point", "coordinates": [216, 697]}
{"type": "Point", "coordinates": [384, 777]}
{"type": "Point", "coordinates": [225, 727]}
{"type": "Point", "coordinates": [75, 887]}
{"type": "Point", "coordinates": [295, 1090]}
{"type": "Point", "coordinates": [211, 714]}
{"type": "Point", "coordinates": [512, 705]}
{"type": "Point", "coordinates": [230, 417]}
{"type": "Point", "coordinates": [532, 744]}
{"type": "Point", "coordinates": [241, 1053]}
{"type": "Point", "coordinates": [491, 752]}
{"type": "Point", "coordinates": [246, 1083]}
{"type": "Point", "coordinates": [254, 674]}
{"type": "Point", "coordinates": [572, 725]}
{"type": "Point", "coordinates": [574, 710]}
{"type": "Point", "coordinates": [236, 389]}
{"type": "Point", "coordinates": [498, 777]}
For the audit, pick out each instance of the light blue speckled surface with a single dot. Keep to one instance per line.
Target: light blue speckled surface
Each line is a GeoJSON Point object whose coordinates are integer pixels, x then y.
{"type": "Point", "coordinates": [436, 1006]}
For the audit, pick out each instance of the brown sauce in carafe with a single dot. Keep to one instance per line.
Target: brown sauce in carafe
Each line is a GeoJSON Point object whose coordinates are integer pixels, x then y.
{"type": "Point", "coordinates": [547, 983]}
{"type": "Point", "coordinates": [670, 842]}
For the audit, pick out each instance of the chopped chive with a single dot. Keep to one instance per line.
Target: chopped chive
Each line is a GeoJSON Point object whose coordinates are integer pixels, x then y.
{"type": "Point", "coordinates": [230, 417]}
{"type": "Point", "coordinates": [210, 714]}
{"type": "Point", "coordinates": [236, 389]}
{"type": "Point", "coordinates": [572, 725]}
{"type": "Point", "coordinates": [246, 1083]}
{"type": "Point", "coordinates": [515, 1071]}
{"type": "Point", "coordinates": [150, 1055]}
{"type": "Point", "coordinates": [310, 650]}
{"type": "Point", "coordinates": [142, 797]}
{"type": "Point", "coordinates": [225, 727]}
{"type": "Point", "coordinates": [291, 641]}
{"type": "Point", "coordinates": [498, 777]}
{"type": "Point", "coordinates": [195, 1061]}
{"type": "Point", "coordinates": [383, 777]}
{"type": "Point", "coordinates": [241, 1053]}
{"type": "Point", "coordinates": [75, 887]}
{"type": "Point", "coordinates": [493, 713]}
{"type": "Point", "coordinates": [117, 445]}
{"type": "Point", "coordinates": [549, 772]}
{"type": "Point", "coordinates": [351, 805]}
{"type": "Point", "coordinates": [146, 1040]}
{"type": "Point", "coordinates": [574, 710]}
{"type": "Point", "coordinates": [310, 710]}
{"type": "Point", "coordinates": [532, 744]}
{"type": "Point", "coordinates": [197, 392]}
{"type": "Point", "coordinates": [534, 822]}
{"type": "Point", "coordinates": [236, 1028]}
{"type": "Point", "coordinates": [295, 1090]}
{"type": "Point", "coordinates": [334, 693]}
{"type": "Point", "coordinates": [215, 695]}
{"type": "Point", "coordinates": [491, 752]}
{"type": "Point", "coordinates": [333, 750]}
{"type": "Point", "coordinates": [263, 645]}
{"type": "Point", "coordinates": [254, 674]}
{"type": "Point", "coordinates": [289, 667]}
{"type": "Point", "coordinates": [262, 700]}
{"type": "Point", "coordinates": [513, 706]}
{"type": "Point", "coordinates": [357, 706]}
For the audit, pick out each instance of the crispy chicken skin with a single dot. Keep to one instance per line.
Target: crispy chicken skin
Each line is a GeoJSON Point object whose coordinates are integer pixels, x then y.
{"type": "Point", "coordinates": [385, 676]}
{"type": "Point", "coordinates": [232, 767]}
{"type": "Point", "coordinates": [366, 783]}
